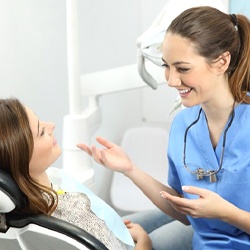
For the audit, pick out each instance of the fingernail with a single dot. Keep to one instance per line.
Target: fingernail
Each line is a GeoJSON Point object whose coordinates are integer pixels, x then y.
{"type": "Point", "coordinates": [162, 195]}
{"type": "Point", "coordinates": [185, 188]}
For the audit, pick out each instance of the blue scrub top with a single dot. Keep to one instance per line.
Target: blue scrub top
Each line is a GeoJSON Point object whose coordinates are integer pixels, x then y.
{"type": "Point", "coordinates": [233, 180]}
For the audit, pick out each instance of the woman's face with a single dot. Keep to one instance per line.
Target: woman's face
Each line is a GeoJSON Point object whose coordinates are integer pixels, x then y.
{"type": "Point", "coordinates": [46, 150]}
{"type": "Point", "coordinates": [188, 72]}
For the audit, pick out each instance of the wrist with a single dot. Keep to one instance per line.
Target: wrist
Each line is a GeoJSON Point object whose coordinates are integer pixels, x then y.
{"type": "Point", "coordinates": [145, 244]}
{"type": "Point", "coordinates": [130, 170]}
{"type": "Point", "coordinates": [144, 239]}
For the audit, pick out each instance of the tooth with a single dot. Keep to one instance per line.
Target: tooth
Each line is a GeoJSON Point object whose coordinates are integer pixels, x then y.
{"type": "Point", "coordinates": [183, 91]}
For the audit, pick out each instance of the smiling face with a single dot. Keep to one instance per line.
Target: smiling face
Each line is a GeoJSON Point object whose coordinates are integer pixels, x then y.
{"type": "Point", "coordinates": [46, 150]}
{"type": "Point", "coordinates": [196, 81]}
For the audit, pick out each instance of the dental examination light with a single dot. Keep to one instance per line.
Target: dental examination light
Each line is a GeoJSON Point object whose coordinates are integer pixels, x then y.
{"type": "Point", "coordinates": [81, 123]}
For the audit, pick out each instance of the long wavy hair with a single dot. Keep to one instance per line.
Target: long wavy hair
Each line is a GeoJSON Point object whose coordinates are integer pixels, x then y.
{"type": "Point", "coordinates": [16, 148]}
{"type": "Point", "coordinates": [213, 32]}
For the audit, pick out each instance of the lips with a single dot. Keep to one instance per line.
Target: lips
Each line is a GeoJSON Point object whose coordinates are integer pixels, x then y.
{"type": "Point", "coordinates": [54, 142]}
{"type": "Point", "coordinates": [184, 92]}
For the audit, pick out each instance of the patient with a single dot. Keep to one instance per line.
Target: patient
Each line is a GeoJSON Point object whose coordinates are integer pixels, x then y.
{"type": "Point", "coordinates": [27, 149]}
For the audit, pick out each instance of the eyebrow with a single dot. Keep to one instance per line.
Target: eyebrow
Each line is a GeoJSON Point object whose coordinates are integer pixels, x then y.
{"type": "Point", "coordinates": [176, 63]}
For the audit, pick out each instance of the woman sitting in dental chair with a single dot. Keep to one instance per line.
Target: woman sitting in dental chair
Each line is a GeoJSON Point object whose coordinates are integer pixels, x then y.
{"type": "Point", "coordinates": [27, 149]}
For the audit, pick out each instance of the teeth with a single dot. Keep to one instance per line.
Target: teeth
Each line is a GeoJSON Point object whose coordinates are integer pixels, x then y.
{"type": "Point", "coordinates": [184, 91]}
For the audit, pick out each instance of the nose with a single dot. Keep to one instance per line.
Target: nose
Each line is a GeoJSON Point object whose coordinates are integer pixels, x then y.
{"type": "Point", "coordinates": [173, 78]}
{"type": "Point", "coordinates": [50, 126]}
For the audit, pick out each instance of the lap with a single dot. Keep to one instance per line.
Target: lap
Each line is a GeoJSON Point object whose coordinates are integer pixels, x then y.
{"type": "Point", "coordinates": [165, 232]}
{"type": "Point", "coordinates": [174, 236]}
{"type": "Point", "coordinates": [150, 219]}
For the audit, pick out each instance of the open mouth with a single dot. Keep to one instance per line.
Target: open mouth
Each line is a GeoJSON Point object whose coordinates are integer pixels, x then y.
{"type": "Point", "coordinates": [184, 92]}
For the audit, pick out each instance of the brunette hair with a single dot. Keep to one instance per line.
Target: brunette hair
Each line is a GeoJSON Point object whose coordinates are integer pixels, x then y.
{"type": "Point", "coordinates": [16, 148]}
{"type": "Point", "coordinates": [213, 32]}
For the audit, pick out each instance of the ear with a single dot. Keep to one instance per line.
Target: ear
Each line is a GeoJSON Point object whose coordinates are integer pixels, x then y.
{"type": "Point", "coordinates": [222, 63]}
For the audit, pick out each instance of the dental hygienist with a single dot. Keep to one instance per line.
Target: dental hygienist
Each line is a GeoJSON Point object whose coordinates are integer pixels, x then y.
{"type": "Point", "coordinates": [206, 55]}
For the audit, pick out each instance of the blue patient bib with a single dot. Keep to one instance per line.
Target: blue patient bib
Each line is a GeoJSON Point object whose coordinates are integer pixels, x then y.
{"type": "Point", "coordinates": [100, 208]}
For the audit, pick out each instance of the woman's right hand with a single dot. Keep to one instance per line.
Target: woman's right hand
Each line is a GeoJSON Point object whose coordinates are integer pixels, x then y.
{"type": "Point", "coordinates": [111, 156]}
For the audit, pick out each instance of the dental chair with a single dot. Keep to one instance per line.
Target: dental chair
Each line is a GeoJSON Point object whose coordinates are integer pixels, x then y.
{"type": "Point", "coordinates": [147, 146]}
{"type": "Point", "coordinates": [36, 232]}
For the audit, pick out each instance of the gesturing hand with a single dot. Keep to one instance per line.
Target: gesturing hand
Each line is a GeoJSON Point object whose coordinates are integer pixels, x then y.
{"type": "Point", "coordinates": [207, 205]}
{"type": "Point", "coordinates": [111, 156]}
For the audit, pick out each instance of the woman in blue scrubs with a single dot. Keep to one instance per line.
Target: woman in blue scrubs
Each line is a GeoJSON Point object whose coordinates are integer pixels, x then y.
{"type": "Point", "coordinates": [206, 55]}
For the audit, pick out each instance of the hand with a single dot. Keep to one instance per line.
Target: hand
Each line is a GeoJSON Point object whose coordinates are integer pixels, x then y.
{"type": "Point", "coordinates": [139, 235]}
{"type": "Point", "coordinates": [112, 156]}
{"type": "Point", "coordinates": [207, 205]}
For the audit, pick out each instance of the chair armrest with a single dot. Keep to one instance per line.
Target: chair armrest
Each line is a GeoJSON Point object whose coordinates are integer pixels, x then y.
{"type": "Point", "coordinates": [58, 225]}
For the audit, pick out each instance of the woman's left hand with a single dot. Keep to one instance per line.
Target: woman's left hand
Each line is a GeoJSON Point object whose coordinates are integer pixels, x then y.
{"type": "Point", "coordinates": [139, 235]}
{"type": "Point", "coordinates": [207, 205]}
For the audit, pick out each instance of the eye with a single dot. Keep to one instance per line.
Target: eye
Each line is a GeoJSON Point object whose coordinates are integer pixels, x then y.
{"type": "Point", "coordinates": [183, 70]}
{"type": "Point", "coordinates": [43, 130]}
{"type": "Point", "coordinates": [164, 65]}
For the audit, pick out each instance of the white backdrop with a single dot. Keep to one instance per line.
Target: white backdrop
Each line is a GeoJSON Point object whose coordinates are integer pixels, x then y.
{"type": "Point", "coordinates": [33, 61]}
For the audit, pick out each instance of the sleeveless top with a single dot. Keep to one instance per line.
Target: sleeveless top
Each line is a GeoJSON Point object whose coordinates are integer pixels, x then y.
{"type": "Point", "coordinates": [74, 208]}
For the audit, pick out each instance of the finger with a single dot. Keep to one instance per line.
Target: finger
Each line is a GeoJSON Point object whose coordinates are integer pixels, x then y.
{"type": "Point", "coordinates": [104, 142]}
{"type": "Point", "coordinates": [103, 157]}
{"type": "Point", "coordinates": [84, 148]}
{"type": "Point", "coordinates": [96, 155]}
{"type": "Point", "coordinates": [176, 201]}
{"type": "Point", "coordinates": [127, 222]}
{"type": "Point", "coordinates": [195, 190]}
{"type": "Point", "coordinates": [180, 210]}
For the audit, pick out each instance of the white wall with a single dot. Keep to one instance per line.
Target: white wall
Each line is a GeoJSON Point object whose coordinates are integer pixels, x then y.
{"type": "Point", "coordinates": [115, 45]}
{"type": "Point", "coordinates": [33, 61]}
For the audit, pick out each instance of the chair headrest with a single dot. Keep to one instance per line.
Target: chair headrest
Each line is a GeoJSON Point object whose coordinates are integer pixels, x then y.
{"type": "Point", "coordinates": [10, 194]}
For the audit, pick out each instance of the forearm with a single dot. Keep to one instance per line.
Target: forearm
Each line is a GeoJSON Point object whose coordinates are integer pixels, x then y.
{"type": "Point", "coordinates": [237, 217]}
{"type": "Point", "coordinates": [151, 188]}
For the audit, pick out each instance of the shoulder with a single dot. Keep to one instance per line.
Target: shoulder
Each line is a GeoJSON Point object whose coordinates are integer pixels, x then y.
{"type": "Point", "coordinates": [72, 201]}
{"type": "Point", "coordinates": [243, 108]}
{"type": "Point", "coordinates": [242, 113]}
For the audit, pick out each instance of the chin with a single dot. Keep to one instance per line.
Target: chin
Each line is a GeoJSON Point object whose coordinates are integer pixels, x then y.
{"type": "Point", "coordinates": [57, 150]}
{"type": "Point", "coordinates": [56, 154]}
{"type": "Point", "coordinates": [188, 104]}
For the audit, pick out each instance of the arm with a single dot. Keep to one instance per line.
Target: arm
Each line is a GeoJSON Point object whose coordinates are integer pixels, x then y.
{"type": "Point", "coordinates": [140, 237]}
{"type": "Point", "coordinates": [113, 157]}
{"type": "Point", "coordinates": [238, 218]}
{"type": "Point", "coordinates": [210, 205]}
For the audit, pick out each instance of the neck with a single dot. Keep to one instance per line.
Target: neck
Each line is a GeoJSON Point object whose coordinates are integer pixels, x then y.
{"type": "Point", "coordinates": [217, 118]}
{"type": "Point", "coordinates": [42, 179]}
{"type": "Point", "coordinates": [219, 111]}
